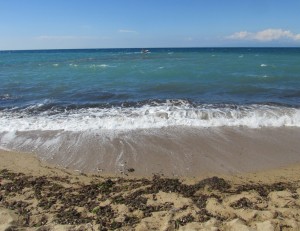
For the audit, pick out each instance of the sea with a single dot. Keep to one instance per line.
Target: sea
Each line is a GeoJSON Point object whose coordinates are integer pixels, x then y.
{"type": "Point", "coordinates": [46, 95]}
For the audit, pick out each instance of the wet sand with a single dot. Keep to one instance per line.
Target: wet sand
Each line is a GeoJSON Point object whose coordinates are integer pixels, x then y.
{"type": "Point", "coordinates": [37, 196]}
{"type": "Point", "coordinates": [184, 152]}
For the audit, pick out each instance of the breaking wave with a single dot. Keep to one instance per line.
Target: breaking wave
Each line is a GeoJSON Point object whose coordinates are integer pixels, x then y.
{"type": "Point", "coordinates": [154, 114]}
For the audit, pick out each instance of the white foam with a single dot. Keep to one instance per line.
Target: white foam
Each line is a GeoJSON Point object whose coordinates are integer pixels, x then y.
{"type": "Point", "coordinates": [162, 115]}
{"type": "Point", "coordinates": [7, 137]}
{"type": "Point", "coordinates": [100, 66]}
{"type": "Point", "coordinates": [263, 65]}
{"type": "Point", "coordinates": [4, 148]}
{"type": "Point", "coordinates": [5, 97]}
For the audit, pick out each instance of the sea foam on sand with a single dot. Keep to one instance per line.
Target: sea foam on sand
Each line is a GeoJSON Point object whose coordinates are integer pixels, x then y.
{"type": "Point", "coordinates": [172, 151]}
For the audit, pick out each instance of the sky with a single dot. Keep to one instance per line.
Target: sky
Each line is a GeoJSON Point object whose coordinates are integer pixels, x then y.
{"type": "Point", "coordinates": [65, 24]}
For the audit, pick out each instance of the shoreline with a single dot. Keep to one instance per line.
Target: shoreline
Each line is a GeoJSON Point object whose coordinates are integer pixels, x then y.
{"type": "Point", "coordinates": [39, 196]}
{"type": "Point", "coordinates": [174, 151]}
{"type": "Point", "coordinates": [29, 163]}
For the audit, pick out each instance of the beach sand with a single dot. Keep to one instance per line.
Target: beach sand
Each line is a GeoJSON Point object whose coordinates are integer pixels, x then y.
{"type": "Point", "coordinates": [38, 196]}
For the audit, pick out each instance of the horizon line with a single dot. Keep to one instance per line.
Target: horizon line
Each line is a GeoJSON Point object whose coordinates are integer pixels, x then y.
{"type": "Point", "coordinates": [111, 48]}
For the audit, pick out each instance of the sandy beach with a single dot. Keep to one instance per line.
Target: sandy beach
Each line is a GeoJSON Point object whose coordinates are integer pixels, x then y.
{"type": "Point", "coordinates": [36, 196]}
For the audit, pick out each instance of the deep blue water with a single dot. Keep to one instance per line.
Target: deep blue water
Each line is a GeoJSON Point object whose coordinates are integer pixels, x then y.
{"type": "Point", "coordinates": [55, 81]}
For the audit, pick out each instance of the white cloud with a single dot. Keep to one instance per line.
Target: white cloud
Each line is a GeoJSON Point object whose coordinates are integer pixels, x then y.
{"type": "Point", "coordinates": [127, 31]}
{"type": "Point", "coordinates": [297, 37]}
{"type": "Point", "coordinates": [239, 35]}
{"type": "Point", "coordinates": [189, 39]}
{"type": "Point", "coordinates": [265, 35]}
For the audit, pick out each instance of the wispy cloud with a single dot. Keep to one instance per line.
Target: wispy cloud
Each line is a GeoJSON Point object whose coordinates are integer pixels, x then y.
{"type": "Point", "coordinates": [127, 31]}
{"type": "Point", "coordinates": [265, 35]}
{"type": "Point", "coordinates": [189, 39]}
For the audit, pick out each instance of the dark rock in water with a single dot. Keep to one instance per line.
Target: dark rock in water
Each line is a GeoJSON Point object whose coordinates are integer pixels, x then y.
{"type": "Point", "coordinates": [131, 170]}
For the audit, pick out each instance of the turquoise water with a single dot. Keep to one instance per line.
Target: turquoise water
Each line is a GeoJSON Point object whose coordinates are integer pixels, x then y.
{"type": "Point", "coordinates": [125, 89]}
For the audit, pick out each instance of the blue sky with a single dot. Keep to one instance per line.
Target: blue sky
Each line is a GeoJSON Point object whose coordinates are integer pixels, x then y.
{"type": "Point", "coordinates": [50, 24]}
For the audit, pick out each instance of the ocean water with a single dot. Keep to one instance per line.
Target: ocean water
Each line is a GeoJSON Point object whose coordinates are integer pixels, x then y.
{"type": "Point", "coordinates": [112, 108]}
{"type": "Point", "coordinates": [123, 89]}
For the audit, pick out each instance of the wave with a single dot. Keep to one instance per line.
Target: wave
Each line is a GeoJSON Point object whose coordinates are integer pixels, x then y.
{"type": "Point", "coordinates": [6, 97]}
{"type": "Point", "coordinates": [100, 66]}
{"type": "Point", "coordinates": [154, 114]}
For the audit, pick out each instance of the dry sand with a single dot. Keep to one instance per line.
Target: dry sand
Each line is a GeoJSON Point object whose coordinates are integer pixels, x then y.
{"type": "Point", "coordinates": [35, 196]}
